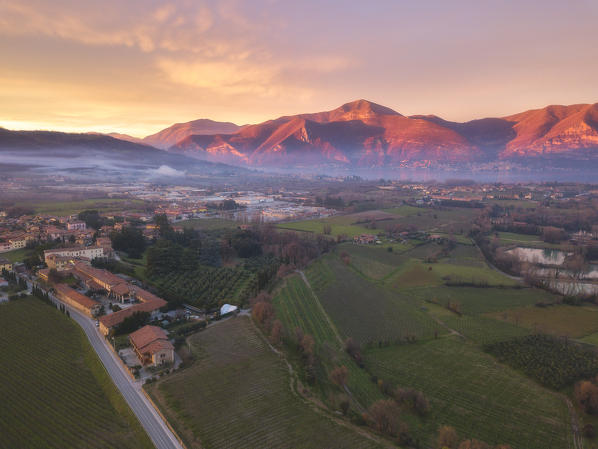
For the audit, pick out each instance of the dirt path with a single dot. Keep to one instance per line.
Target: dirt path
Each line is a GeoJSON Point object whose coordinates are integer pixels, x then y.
{"type": "Point", "coordinates": [577, 437]}
{"type": "Point", "coordinates": [316, 405]}
{"type": "Point", "coordinates": [324, 314]}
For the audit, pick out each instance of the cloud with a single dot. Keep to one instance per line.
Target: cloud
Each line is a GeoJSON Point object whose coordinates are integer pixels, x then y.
{"type": "Point", "coordinates": [229, 77]}
{"type": "Point", "coordinates": [128, 24]}
{"type": "Point", "coordinates": [165, 170]}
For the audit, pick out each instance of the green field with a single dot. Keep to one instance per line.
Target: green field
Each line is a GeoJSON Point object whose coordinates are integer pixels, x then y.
{"type": "Point", "coordinates": [237, 394]}
{"type": "Point", "coordinates": [340, 225]}
{"type": "Point", "coordinates": [297, 307]}
{"type": "Point", "coordinates": [479, 329]}
{"type": "Point", "coordinates": [17, 255]}
{"type": "Point", "coordinates": [55, 392]}
{"type": "Point", "coordinates": [369, 313]}
{"type": "Point", "coordinates": [474, 301]}
{"type": "Point", "coordinates": [456, 220]}
{"type": "Point", "coordinates": [565, 320]}
{"type": "Point", "coordinates": [471, 392]}
{"type": "Point", "coordinates": [61, 208]}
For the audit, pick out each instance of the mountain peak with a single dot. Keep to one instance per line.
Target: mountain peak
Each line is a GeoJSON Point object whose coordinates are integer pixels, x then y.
{"type": "Point", "coordinates": [366, 108]}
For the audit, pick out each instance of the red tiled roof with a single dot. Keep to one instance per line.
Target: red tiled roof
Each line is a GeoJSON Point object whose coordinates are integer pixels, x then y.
{"type": "Point", "coordinates": [145, 296]}
{"type": "Point", "coordinates": [67, 292]}
{"type": "Point", "coordinates": [118, 317]}
{"type": "Point", "coordinates": [157, 345]}
{"type": "Point", "coordinates": [146, 335]}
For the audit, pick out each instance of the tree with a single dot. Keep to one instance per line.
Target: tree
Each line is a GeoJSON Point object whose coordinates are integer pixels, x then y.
{"type": "Point", "coordinates": [384, 416]}
{"type": "Point", "coordinates": [91, 218]}
{"type": "Point", "coordinates": [262, 313]}
{"type": "Point", "coordinates": [307, 345]}
{"type": "Point", "coordinates": [586, 394]}
{"type": "Point", "coordinates": [354, 350]}
{"type": "Point", "coordinates": [447, 438]}
{"type": "Point", "coordinates": [339, 376]}
{"type": "Point", "coordinates": [132, 323]}
{"type": "Point", "coordinates": [130, 240]}
{"type": "Point", "coordinates": [276, 332]}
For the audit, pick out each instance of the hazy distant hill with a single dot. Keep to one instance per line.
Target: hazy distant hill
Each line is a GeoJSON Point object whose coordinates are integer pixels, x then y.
{"type": "Point", "coordinates": [171, 135]}
{"type": "Point", "coordinates": [365, 134]}
{"type": "Point", "coordinates": [94, 152]}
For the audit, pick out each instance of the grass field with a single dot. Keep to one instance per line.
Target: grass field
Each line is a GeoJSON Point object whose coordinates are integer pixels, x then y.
{"type": "Point", "coordinates": [526, 240]}
{"type": "Point", "coordinates": [474, 301]}
{"type": "Point", "coordinates": [369, 313]}
{"type": "Point", "coordinates": [471, 392]}
{"type": "Point", "coordinates": [236, 394]}
{"type": "Point", "coordinates": [72, 207]}
{"type": "Point", "coordinates": [415, 273]}
{"type": "Point", "coordinates": [340, 225]}
{"type": "Point", "coordinates": [479, 329]}
{"type": "Point", "coordinates": [17, 255]}
{"type": "Point", "coordinates": [55, 392]}
{"type": "Point", "coordinates": [565, 320]}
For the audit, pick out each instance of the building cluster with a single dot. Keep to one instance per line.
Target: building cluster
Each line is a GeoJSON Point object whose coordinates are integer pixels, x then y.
{"type": "Point", "coordinates": [76, 261]}
{"type": "Point", "coordinates": [17, 233]}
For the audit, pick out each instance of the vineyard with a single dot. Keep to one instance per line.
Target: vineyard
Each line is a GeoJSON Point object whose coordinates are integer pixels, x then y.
{"type": "Point", "coordinates": [554, 362]}
{"type": "Point", "coordinates": [468, 390]}
{"type": "Point", "coordinates": [54, 390]}
{"type": "Point", "coordinates": [208, 287]}
{"type": "Point", "coordinates": [367, 313]}
{"type": "Point", "coordinates": [237, 395]}
{"type": "Point", "coordinates": [297, 307]}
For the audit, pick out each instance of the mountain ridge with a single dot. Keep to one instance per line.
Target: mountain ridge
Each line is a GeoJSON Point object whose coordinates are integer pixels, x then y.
{"type": "Point", "coordinates": [365, 134]}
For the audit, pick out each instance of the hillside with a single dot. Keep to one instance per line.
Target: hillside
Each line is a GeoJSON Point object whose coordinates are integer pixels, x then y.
{"type": "Point", "coordinates": [365, 134]}
{"type": "Point", "coordinates": [96, 154]}
{"type": "Point", "coordinates": [173, 134]}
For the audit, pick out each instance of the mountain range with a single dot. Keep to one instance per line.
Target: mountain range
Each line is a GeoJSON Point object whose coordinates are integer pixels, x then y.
{"type": "Point", "coordinates": [359, 134]}
{"type": "Point", "coordinates": [365, 134]}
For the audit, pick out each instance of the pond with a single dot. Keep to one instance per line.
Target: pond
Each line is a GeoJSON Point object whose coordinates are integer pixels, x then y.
{"type": "Point", "coordinates": [540, 256]}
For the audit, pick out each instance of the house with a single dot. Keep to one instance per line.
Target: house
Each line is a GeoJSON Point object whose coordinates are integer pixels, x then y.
{"type": "Point", "coordinates": [89, 252]}
{"type": "Point", "coordinates": [76, 226]}
{"type": "Point", "coordinates": [18, 242]}
{"type": "Point", "coordinates": [5, 264]}
{"type": "Point", "coordinates": [106, 244]}
{"type": "Point", "coordinates": [77, 300]}
{"type": "Point", "coordinates": [365, 239]}
{"type": "Point", "coordinates": [59, 263]}
{"type": "Point", "coordinates": [152, 346]}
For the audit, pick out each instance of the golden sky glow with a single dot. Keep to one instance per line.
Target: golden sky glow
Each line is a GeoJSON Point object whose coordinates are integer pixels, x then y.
{"type": "Point", "coordinates": [140, 65]}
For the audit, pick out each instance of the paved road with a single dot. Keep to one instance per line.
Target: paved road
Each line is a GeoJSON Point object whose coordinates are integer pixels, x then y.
{"type": "Point", "coordinates": [152, 422]}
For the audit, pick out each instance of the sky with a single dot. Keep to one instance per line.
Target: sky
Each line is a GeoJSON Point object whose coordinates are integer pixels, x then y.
{"type": "Point", "coordinates": [137, 66]}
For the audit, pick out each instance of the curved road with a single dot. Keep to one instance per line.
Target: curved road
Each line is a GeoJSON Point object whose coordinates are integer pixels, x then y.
{"type": "Point", "coordinates": [152, 422]}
